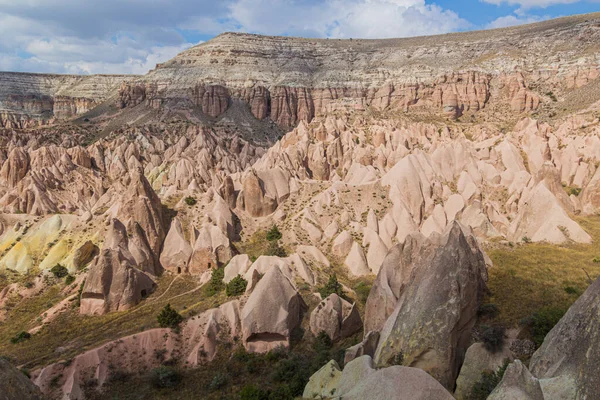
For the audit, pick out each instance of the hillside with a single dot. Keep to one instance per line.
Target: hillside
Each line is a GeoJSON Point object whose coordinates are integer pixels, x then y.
{"type": "Point", "coordinates": [402, 210]}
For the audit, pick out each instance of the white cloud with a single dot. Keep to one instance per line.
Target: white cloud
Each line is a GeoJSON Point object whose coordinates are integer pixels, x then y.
{"type": "Point", "coordinates": [345, 18]}
{"type": "Point", "coordinates": [512, 20]}
{"type": "Point", "coordinates": [130, 36]}
{"type": "Point", "coordinates": [526, 4]}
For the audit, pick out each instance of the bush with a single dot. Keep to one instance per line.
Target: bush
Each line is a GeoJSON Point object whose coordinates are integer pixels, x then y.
{"type": "Point", "coordinates": [362, 291]}
{"type": "Point", "coordinates": [165, 377]}
{"type": "Point", "coordinates": [323, 342]}
{"type": "Point", "coordinates": [526, 239]}
{"type": "Point", "coordinates": [275, 249]}
{"type": "Point", "coordinates": [488, 382]}
{"type": "Point", "coordinates": [215, 285]}
{"type": "Point", "coordinates": [69, 279]}
{"type": "Point", "coordinates": [20, 337]}
{"type": "Point", "coordinates": [542, 322]}
{"type": "Point", "coordinates": [488, 310]}
{"type": "Point", "coordinates": [332, 286]}
{"type": "Point", "coordinates": [253, 392]}
{"type": "Point", "coordinates": [59, 271]}
{"type": "Point", "coordinates": [493, 338]}
{"type": "Point", "coordinates": [218, 382]}
{"type": "Point", "coordinates": [236, 287]}
{"type": "Point", "coordinates": [273, 234]}
{"type": "Point", "coordinates": [190, 201]}
{"type": "Point", "coordinates": [571, 290]}
{"type": "Point", "coordinates": [169, 318]}
{"type": "Point", "coordinates": [295, 372]}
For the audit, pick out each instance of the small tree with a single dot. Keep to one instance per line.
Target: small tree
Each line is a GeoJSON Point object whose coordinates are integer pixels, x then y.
{"type": "Point", "coordinates": [20, 337]}
{"type": "Point", "coordinates": [236, 287]}
{"type": "Point", "coordinates": [493, 338]}
{"type": "Point", "coordinates": [169, 318]}
{"type": "Point", "coordinates": [332, 286]}
{"type": "Point", "coordinates": [190, 201]}
{"type": "Point", "coordinates": [165, 377]}
{"type": "Point", "coordinates": [273, 234]}
{"type": "Point", "coordinates": [215, 285]}
{"type": "Point", "coordinates": [59, 271]}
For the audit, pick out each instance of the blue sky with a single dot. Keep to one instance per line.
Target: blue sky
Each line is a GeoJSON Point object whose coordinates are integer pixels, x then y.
{"type": "Point", "coordinates": [131, 36]}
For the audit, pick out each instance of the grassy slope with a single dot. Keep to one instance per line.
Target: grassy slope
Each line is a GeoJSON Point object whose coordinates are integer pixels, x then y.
{"type": "Point", "coordinates": [71, 333]}
{"type": "Point", "coordinates": [527, 277]}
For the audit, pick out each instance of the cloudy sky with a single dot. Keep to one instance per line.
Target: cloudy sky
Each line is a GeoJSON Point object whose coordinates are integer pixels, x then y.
{"type": "Point", "coordinates": [131, 36]}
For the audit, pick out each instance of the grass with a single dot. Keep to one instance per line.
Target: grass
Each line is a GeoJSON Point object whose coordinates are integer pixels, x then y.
{"type": "Point", "coordinates": [529, 277]}
{"type": "Point", "coordinates": [76, 333]}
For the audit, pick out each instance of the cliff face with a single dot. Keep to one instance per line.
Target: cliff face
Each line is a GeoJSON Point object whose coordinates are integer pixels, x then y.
{"type": "Point", "coordinates": [293, 79]}
{"type": "Point", "coordinates": [28, 100]}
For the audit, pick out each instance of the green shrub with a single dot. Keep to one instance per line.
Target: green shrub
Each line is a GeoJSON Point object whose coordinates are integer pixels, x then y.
{"type": "Point", "coordinates": [236, 287]}
{"type": "Point", "coordinates": [332, 286]}
{"type": "Point", "coordinates": [253, 392]}
{"type": "Point", "coordinates": [20, 337]}
{"type": "Point", "coordinates": [542, 322]}
{"type": "Point", "coordinates": [488, 311]}
{"type": "Point", "coordinates": [571, 290]}
{"type": "Point", "coordinates": [322, 342]}
{"type": "Point", "coordinates": [273, 234]}
{"type": "Point", "coordinates": [59, 271]}
{"type": "Point", "coordinates": [552, 96]}
{"type": "Point", "coordinates": [526, 239]}
{"type": "Point", "coordinates": [215, 285]}
{"type": "Point", "coordinates": [69, 279]}
{"type": "Point", "coordinates": [165, 377]}
{"type": "Point", "coordinates": [488, 382]}
{"type": "Point", "coordinates": [274, 249]}
{"type": "Point", "coordinates": [77, 302]}
{"type": "Point", "coordinates": [362, 290]}
{"type": "Point", "coordinates": [295, 372]}
{"type": "Point", "coordinates": [169, 318]}
{"type": "Point", "coordinates": [219, 381]}
{"type": "Point", "coordinates": [190, 201]}
{"type": "Point", "coordinates": [493, 338]}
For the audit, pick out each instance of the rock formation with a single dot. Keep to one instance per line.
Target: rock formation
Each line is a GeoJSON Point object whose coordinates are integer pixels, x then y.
{"type": "Point", "coordinates": [14, 385]}
{"type": "Point", "coordinates": [336, 317]}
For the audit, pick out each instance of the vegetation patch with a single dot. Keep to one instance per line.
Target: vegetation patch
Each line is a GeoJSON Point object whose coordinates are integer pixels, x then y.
{"type": "Point", "coordinates": [169, 318]}
{"type": "Point", "coordinates": [59, 271]}
{"type": "Point", "coordinates": [236, 287]}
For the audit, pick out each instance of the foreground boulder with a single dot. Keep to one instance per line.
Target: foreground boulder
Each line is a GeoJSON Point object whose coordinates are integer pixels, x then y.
{"type": "Point", "coordinates": [568, 362]}
{"type": "Point", "coordinates": [440, 291]}
{"type": "Point", "coordinates": [14, 385]}
{"type": "Point", "coordinates": [360, 380]}
{"type": "Point", "coordinates": [336, 317]}
{"type": "Point", "coordinates": [567, 365]}
{"type": "Point", "coordinates": [477, 360]}
{"type": "Point", "coordinates": [113, 282]}
{"type": "Point", "coordinates": [272, 312]}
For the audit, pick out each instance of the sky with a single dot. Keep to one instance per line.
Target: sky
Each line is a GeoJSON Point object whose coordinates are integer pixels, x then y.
{"type": "Point", "coordinates": [132, 36]}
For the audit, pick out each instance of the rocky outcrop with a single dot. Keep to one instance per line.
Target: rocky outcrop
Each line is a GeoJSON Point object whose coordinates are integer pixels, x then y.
{"type": "Point", "coordinates": [567, 362]}
{"type": "Point", "coordinates": [14, 385]}
{"type": "Point", "coordinates": [518, 383]}
{"type": "Point", "coordinates": [114, 283]}
{"type": "Point", "coordinates": [477, 361]}
{"type": "Point", "coordinates": [194, 345]}
{"type": "Point", "coordinates": [436, 292]}
{"type": "Point", "coordinates": [176, 251]}
{"type": "Point", "coordinates": [336, 317]}
{"type": "Point", "coordinates": [360, 380]}
{"type": "Point", "coordinates": [272, 312]}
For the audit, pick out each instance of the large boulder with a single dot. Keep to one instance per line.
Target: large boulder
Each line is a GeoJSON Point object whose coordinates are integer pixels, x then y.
{"type": "Point", "coordinates": [272, 312]}
{"type": "Point", "coordinates": [324, 382]}
{"type": "Point", "coordinates": [518, 384]}
{"type": "Point", "coordinates": [336, 317]}
{"type": "Point", "coordinates": [436, 307]}
{"type": "Point", "coordinates": [14, 385]}
{"type": "Point", "coordinates": [114, 283]}
{"type": "Point", "coordinates": [568, 362]}
{"type": "Point", "coordinates": [477, 360]}
{"type": "Point", "coordinates": [361, 380]}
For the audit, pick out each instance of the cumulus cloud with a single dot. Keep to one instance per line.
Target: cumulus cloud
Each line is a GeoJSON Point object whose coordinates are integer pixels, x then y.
{"type": "Point", "coordinates": [526, 4]}
{"type": "Point", "coordinates": [512, 20]}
